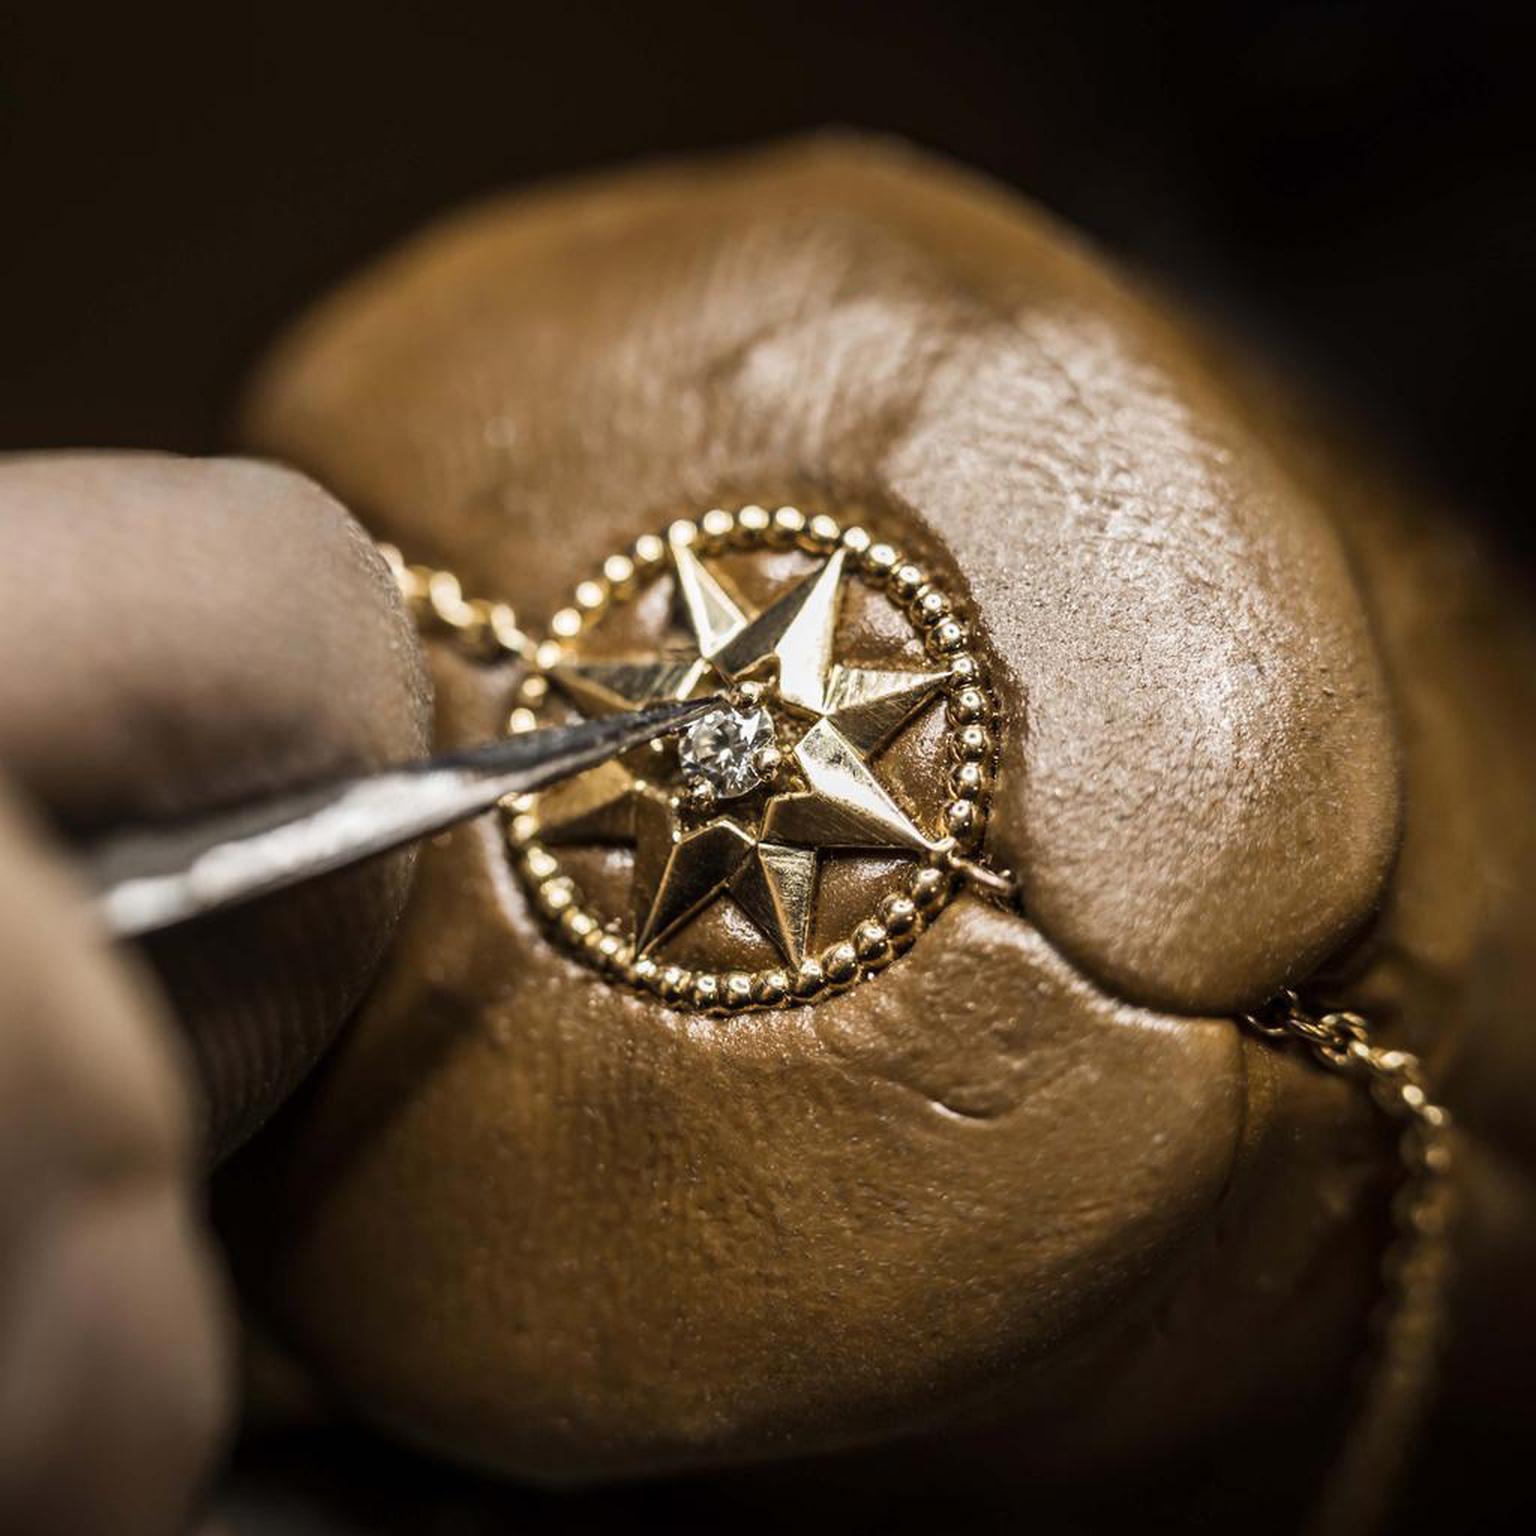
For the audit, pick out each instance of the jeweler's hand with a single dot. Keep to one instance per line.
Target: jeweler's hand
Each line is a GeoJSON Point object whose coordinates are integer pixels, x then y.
{"type": "Point", "coordinates": [176, 635]}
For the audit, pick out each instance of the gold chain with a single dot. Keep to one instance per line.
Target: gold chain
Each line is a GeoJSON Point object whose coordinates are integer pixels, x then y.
{"type": "Point", "coordinates": [485, 630]}
{"type": "Point", "coordinates": [1409, 1323]}
{"type": "Point", "coordinates": [1410, 1319]}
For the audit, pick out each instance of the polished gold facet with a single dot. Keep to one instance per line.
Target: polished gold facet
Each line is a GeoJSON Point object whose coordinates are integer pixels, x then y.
{"type": "Point", "coordinates": [595, 807]}
{"type": "Point", "coordinates": [774, 887]}
{"type": "Point", "coordinates": [699, 865]}
{"type": "Point", "coordinates": [656, 834]}
{"type": "Point", "coordinates": [599, 688]}
{"type": "Point", "coordinates": [793, 636]}
{"type": "Point", "coordinates": [712, 612]}
{"type": "Point", "coordinates": [845, 805]}
{"type": "Point", "coordinates": [868, 707]}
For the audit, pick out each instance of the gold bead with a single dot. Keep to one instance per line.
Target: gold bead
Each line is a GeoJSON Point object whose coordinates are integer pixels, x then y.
{"type": "Point", "coordinates": [577, 924]}
{"type": "Point", "coordinates": [524, 827]}
{"type": "Point", "coordinates": [566, 624]}
{"type": "Point", "coordinates": [646, 970]}
{"type": "Point", "coordinates": [753, 521]}
{"type": "Point", "coordinates": [447, 598]}
{"type": "Point", "coordinates": [809, 978]}
{"type": "Point", "coordinates": [856, 540]}
{"type": "Point", "coordinates": [972, 742]}
{"type": "Point", "coordinates": [706, 990]}
{"type": "Point", "coordinates": [789, 522]}
{"type": "Point", "coordinates": [540, 863]}
{"type": "Point", "coordinates": [841, 963]}
{"type": "Point", "coordinates": [882, 559]}
{"type": "Point", "coordinates": [969, 780]}
{"type": "Point", "coordinates": [502, 622]}
{"type": "Point", "coordinates": [675, 981]}
{"type": "Point", "coordinates": [907, 580]}
{"type": "Point", "coordinates": [967, 705]}
{"type": "Point", "coordinates": [618, 571]}
{"type": "Point", "coordinates": [555, 896]}
{"type": "Point", "coordinates": [931, 606]}
{"type": "Point", "coordinates": [929, 886]}
{"type": "Point", "coordinates": [700, 795]}
{"type": "Point", "coordinates": [717, 524]}
{"type": "Point", "coordinates": [899, 914]}
{"type": "Point", "coordinates": [591, 595]}
{"type": "Point", "coordinates": [961, 818]}
{"type": "Point", "coordinates": [683, 532]}
{"type": "Point", "coordinates": [738, 989]}
{"type": "Point", "coordinates": [534, 688]}
{"type": "Point", "coordinates": [549, 655]}
{"type": "Point", "coordinates": [949, 635]}
{"type": "Point", "coordinates": [609, 946]}
{"type": "Point", "coordinates": [649, 550]}
{"type": "Point", "coordinates": [522, 720]}
{"type": "Point", "coordinates": [771, 987]}
{"type": "Point", "coordinates": [964, 668]}
{"type": "Point", "coordinates": [870, 941]}
{"type": "Point", "coordinates": [768, 761]}
{"type": "Point", "coordinates": [823, 532]}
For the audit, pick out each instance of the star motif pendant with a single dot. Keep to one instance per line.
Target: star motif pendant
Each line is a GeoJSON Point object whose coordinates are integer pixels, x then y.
{"type": "Point", "coordinates": [746, 809]}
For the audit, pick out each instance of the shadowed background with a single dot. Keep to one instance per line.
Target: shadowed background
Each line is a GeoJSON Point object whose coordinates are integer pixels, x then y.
{"type": "Point", "coordinates": [1344, 180]}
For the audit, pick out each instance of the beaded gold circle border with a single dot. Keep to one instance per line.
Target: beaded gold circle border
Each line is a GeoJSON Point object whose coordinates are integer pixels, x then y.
{"type": "Point", "coordinates": [970, 736]}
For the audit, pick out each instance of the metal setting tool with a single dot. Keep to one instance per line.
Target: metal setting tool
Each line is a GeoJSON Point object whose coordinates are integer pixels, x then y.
{"type": "Point", "coordinates": [158, 877]}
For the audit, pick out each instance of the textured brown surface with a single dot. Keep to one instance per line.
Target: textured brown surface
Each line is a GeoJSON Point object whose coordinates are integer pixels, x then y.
{"type": "Point", "coordinates": [1176, 635]}
{"type": "Point", "coordinates": [531, 1221]}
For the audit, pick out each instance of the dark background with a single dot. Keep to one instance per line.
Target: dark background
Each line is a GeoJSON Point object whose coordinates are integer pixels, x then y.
{"type": "Point", "coordinates": [1346, 180]}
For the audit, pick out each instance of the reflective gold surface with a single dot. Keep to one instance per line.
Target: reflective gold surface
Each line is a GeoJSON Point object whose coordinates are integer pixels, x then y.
{"type": "Point", "coordinates": [759, 851]}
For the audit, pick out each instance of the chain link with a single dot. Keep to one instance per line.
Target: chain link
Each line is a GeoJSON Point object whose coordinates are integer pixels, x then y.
{"type": "Point", "coordinates": [485, 630]}
{"type": "Point", "coordinates": [1409, 1324]}
{"type": "Point", "coordinates": [1410, 1320]}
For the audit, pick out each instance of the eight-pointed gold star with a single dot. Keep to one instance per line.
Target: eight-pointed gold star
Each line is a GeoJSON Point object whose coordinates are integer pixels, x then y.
{"type": "Point", "coordinates": [840, 715]}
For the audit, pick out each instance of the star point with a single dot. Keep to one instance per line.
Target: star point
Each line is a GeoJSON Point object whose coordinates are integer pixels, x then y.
{"type": "Point", "coordinates": [713, 614]}
{"type": "Point", "coordinates": [795, 631]}
{"type": "Point", "coordinates": [774, 887]}
{"type": "Point", "coordinates": [844, 805]}
{"type": "Point", "coordinates": [696, 868]}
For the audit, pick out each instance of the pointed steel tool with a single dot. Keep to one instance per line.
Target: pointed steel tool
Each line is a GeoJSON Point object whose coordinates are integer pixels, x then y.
{"type": "Point", "coordinates": [157, 877]}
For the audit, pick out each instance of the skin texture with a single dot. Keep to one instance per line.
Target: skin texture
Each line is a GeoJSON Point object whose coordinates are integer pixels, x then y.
{"type": "Point", "coordinates": [176, 633]}
{"type": "Point", "coordinates": [111, 1319]}
{"type": "Point", "coordinates": [1033, 1172]}
{"type": "Point", "coordinates": [228, 632]}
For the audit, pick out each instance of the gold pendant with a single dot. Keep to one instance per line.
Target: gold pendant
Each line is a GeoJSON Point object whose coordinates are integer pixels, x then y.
{"type": "Point", "coordinates": [700, 870]}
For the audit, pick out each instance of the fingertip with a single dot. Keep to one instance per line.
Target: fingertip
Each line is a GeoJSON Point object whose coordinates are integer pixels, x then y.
{"type": "Point", "coordinates": [113, 1324]}
{"type": "Point", "coordinates": [186, 635]}
{"type": "Point", "coordinates": [116, 1361]}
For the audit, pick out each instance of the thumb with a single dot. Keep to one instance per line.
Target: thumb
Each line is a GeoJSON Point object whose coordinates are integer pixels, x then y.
{"type": "Point", "coordinates": [183, 634]}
